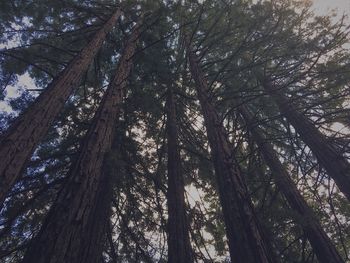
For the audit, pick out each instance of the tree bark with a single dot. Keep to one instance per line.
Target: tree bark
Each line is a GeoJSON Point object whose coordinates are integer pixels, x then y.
{"type": "Point", "coordinates": [245, 239]}
{"type": "Point", "coordinates": [320, 242]}
{"type": "Point", "coordinates": [75, 225]}
{"type": "Point", "coordinates": [179, 246]}
{"type": "Point", "coordinates": [19, 141]}
{"type": "Point", "coordinates": [327, 155]}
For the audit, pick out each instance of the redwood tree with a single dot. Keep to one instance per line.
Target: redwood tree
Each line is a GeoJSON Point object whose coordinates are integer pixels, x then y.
{"type": "Point", "coordinates": [321, 243]}
{"type": "Point", "coordinates": [326, 153]}
{"type": "Point", "coordinates": [245, 238]}
{"type": "Point", "coordinates": [179, 247]}
{"type": "Point", "coordinates": [19, 141]}
{"type": "Point", "coordinates": [81, 210]}
{"type": "Point", "coordinates": [240, 177]}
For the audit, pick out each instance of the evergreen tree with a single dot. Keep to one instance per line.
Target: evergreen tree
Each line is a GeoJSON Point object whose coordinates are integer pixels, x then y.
{"type": "Point", "coordinates": [246, 241]}
{"type": "Point", "coordinates": [18, 142]}
{"type": "Point", "coordinates": [178, 242]}
{"type": "Point", "coordinates": [327, 154]}
{"type": "Point", "coordinates": [322, 245]}
{"type": "Point", "coordinates": [234, 150]}
{"type": "Point", "coordinates": [80, 211]}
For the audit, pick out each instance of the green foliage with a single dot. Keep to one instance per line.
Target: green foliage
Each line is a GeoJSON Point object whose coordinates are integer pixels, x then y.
{"type": "Point", "coordinates": [304, 53]}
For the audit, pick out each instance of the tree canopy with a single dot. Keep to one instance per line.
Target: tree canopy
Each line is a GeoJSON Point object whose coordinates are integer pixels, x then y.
{"type": "Point", "coordinates": [262, 83]}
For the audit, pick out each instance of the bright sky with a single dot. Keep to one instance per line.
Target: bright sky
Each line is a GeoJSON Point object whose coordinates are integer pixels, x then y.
{"type": "Point", "coordinates": [323, 7]}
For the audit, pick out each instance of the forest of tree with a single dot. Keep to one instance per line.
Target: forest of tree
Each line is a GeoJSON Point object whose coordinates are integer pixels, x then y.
{"type": "Point", "coordinates": [174, 131]}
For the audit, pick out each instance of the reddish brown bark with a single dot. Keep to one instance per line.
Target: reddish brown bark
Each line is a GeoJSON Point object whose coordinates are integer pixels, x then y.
{"type": "Point", "coordinates": [18, 142]}
{"type": "Point", "coordinates": [245, 239]}
{"type": "Point", "coordinates": [320, 242]}
{"type": "Point", "coordinates": [327, 155]}
{"type": "Point", "coordinates": [74, 227]}
{"type": "Point", "coordinates": [179, 247]}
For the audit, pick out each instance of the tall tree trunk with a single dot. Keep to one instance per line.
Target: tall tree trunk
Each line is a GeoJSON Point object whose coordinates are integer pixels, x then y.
{"type": "Point", "coordinates": [19, 141]}
{"type": "Point", "coordinates": [320, 242]}
{"type": "Point", "coordinates": [73, 229]}
{"type": "Point", "coordinates": [328, 156]}
{"type": "Point", "coordinates": [179, 247]}
{"type": "Point", "coordinates": [245, 239]}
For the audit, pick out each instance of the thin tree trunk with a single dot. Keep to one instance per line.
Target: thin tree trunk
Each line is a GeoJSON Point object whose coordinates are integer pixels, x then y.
{"type": "Point", "coordinates": [245, 239]}
{"type": "Point", "coordinates": [19, 141]}
{"type": "Point", "coordinates": [75, 225]}
{"type": "Point", "coordinates": [320, 242]}
{"type": "Point", "coordinates": [179, 246]}
{"type": "Point", "coordinates": [327, 155]}
{"type": "Point", "coordinates": [114, 255]}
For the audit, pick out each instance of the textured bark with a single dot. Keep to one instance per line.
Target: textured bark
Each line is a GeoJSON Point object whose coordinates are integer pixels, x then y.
{"type": "Point", "coordinates": [19, 141]}
{"type": "Point", "coordinates": [320, 242]}
{"type": "Point", "coordinates": [179, 247]}
{"type": "Point", "coordinates": [245, 239]}
{"type": "Point", "coordinates": [327, 155]}
{"type": "Point", "coordinates": [74, 227]}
